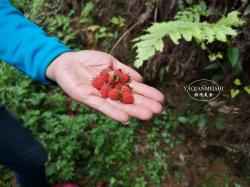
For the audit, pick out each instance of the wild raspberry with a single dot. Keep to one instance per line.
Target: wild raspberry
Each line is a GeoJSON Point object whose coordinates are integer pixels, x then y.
{"type": "Point", "coordinates": [114, 94]}
{"type": "Point", "coordinates": [127, 98]}
{"type": "Point", "coordinates": [113, 79]}
{"type": "Point", "coordinates": [118, 85]}
{"type": "Point", "coordinates": [97, 83]}
{"type": "Point", "coordinates": [123, 77]}
{"type": "Point", "coordinates": [125, 89]}
{"type": "Point", "coordinates": [104, 75]}
{"type": "Point", "coordinates": [105, 90]}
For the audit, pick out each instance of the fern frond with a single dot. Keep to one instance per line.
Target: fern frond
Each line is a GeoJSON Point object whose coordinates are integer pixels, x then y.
{"type": "Point", "coordinates": [231, 20]}
{"type": "Point", "coordinates": [187, 28]}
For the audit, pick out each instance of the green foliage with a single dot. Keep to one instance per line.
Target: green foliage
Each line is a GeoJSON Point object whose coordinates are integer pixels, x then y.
{"type": "Point", "coordinates": [61, 26]}
{"type": "Point", "coordinates": [187, 25]}
{"type": "Point", "coordinates": [118, 21]}
{"type": "Point", "coordinates": [215, 56]}
{"type": "Point", "coordinates": [212, 66]}
{"type": "Point", "coordinates": [85, 15]}
{"type": "Point", "coordinates": [35, 8]}
{"type": "Point", "coordinates": [83, 144]}
{"type": "Point", "coordinates": [247, 89]}
{"type": "Point", "coordinates": [21, 4]}
{"type": "Point", "coordinates": [233, 57]}
{"type": "Point", "coordinates": [236, 90]}
{"type": "Point", "coordinates": [220, 123]}
{"type": "Point", "coordinates": [193, 119]}
{"type": "Point", "coordinates": [237, 82]}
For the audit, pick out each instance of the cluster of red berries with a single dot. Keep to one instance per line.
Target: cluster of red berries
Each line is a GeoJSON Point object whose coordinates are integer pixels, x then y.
{"type": "Point", "coordinates": [114, 86]}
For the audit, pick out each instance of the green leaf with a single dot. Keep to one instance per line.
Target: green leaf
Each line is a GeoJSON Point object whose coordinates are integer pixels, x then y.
{"type": "Point", "coordinates": [247, 89]}
{"type": "Point", "coordinates": [212, 66]}
{"type": "Point", "coordinates": [187, 35]}
{"type": "Point", "coordinates": [159, 46]}
{"type": "Point", "coordinates": [88, 8]}
{"type": "Point", "coordinates": [237, 185]}
{"type": "Point", "coordinates": [217, 78]}
{"type": "Point", "coordinates": [237, 82]}
{"type": "Point", "coordinates": [175, 37]}
{"type": "Point", "coordinates": [214, 56]}
{"type": "Point", "coordinates": [233, 55]}
{"type": "Point", "coordinates": [234, 92]}
{"type": "Point", "coordinates": [220, 123]}
{"type": "Point", "coordinates": [219, 34]}
{"type": "Point", "coordinates": [208, 33]}
{"type": "Point", "coordinates": [183, 119]}
{"type": "Point", "coordinates": [247, 11]}
{"type": "Point", "coordinates": [201, 121]}
{"type": "Point", "coordinates": [51, 169]}
{"type": "Point", "coordinates": [162, 73]}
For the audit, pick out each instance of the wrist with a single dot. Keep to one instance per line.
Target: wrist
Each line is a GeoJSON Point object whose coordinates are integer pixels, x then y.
{"type": "Point", "coordinates": [51, 69]}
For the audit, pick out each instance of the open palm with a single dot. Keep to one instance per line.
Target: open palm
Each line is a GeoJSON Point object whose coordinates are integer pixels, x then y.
{"type": "Point", "coordinates": [74, 72]}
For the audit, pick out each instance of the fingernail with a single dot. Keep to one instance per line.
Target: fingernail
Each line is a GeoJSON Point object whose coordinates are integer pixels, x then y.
{"type": "Point", "coordinates": [125, 123]}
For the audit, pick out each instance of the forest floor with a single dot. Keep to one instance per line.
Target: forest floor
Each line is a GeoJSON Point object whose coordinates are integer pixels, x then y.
{"type": "Point", "coordinates": [201, 163]}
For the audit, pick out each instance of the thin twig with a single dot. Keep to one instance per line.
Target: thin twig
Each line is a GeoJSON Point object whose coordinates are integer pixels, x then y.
{"type": "Point", "coordinates": [140, 21]}
{"type": "Point", "coordinates": [230, 147]}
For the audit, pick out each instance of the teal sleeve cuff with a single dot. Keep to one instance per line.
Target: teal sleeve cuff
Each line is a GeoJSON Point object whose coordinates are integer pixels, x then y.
{"type": "Point", "coordinates": [59, 50]}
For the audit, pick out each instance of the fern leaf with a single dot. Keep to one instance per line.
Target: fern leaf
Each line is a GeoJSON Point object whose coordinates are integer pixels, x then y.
{"type": "Point", "coordinates": [186, 25]}
{"type": "Point", "coordinates": [175, 37]}
{"type": "Point", "coordinates": [209, 33]}
{"type": "Point", "coordinates": [187, 34]}
{"type": "Point", "coordinates": [143, 54]}
{"type": "Point", "coordinates": [231, 20]}
{"type": "Point", "coordinates": [146, 43]}
{"type": "Point", "coordinates": [159, 46]}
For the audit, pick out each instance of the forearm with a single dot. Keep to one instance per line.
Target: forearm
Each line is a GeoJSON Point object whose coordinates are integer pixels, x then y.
{"type": "Point", "coordinates": [24, 45]}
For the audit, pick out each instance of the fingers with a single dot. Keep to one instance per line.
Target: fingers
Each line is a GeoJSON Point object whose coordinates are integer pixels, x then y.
{"type": "Point", "coordinates": [134, 74]}
{"type": "Point", "coordinates": [150, 104]}
{"type": "Point", "coordinates": [143, 107]}
{"type": "Point", "coordinates": [133, 110]}
{"type": "Point", "coordinates": [103, 106]}
{"type": "Point", "coordinates": [90, 96]}
{"type": "Point", "coordinates": [147, 91]}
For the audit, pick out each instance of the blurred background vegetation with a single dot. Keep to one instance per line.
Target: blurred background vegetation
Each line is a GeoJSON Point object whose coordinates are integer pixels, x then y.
{"type": "Point", "coordinates": [191, 144]}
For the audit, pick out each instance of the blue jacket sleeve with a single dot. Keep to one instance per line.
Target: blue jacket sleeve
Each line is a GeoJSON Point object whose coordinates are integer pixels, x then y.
{"type": "Point", "coordinates": [24, 45]}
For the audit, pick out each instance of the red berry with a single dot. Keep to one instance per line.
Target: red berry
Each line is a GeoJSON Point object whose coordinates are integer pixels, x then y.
{"type": "Point", "coordinates": [114, 79]}
{"type": "Point", "coordinates": [105, 90]}
{"type": "Point", "coordinates": [114, 94]}
{"type": "Point", "coordinates": [97, 83]}
{"type": "Point", "coordinates": [118, 85]}
{"type": "Point", "coordinates": [104, 75]}
{"type": "Point", "coordinates": [124, 78]}
{"type": "Point", "coordinates": [127, 98]}
{"type": "Point", "coordinates": [125, 89]}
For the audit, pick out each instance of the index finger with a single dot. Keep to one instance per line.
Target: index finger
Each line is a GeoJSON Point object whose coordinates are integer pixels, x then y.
{"type": "Point", "coordinates": [134, 74]}
{"type": "Point", "coordinates": [147, 91]}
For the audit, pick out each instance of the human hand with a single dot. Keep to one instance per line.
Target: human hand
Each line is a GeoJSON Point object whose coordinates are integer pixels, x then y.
{"type": "Point", "coordinates": [74, 71]}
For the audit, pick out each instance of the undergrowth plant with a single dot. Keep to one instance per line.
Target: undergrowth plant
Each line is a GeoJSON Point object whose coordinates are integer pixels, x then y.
{"type": "Point", "coordinates": [186, 25]}
{"type": "Point", "coordinates": [84, 146]}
